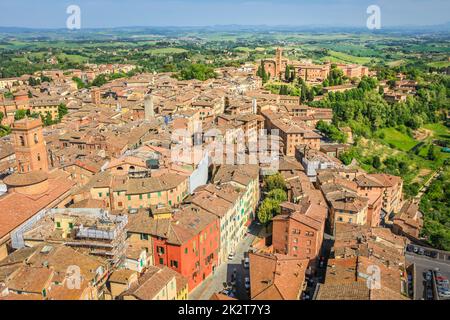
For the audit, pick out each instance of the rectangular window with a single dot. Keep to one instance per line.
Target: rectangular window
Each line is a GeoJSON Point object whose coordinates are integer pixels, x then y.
{"type": "Point", "coordinates": [174, 263]}
{"type": "Point", "coordinates": [160, 250]}
{"type": "Point", "coordinates": [140, 197]}
{"type": "Point", "coordinates": [129, 197]}
{"type": "Point", "coordinates": [100, 194]}
{"type": "Point", "coordinates": [148, 196]}
{"type": "Point", "coordinates": [159, 194]}
{"type": "Point", "coordinates": [58, 224]}
{"type": "Point", "coordinates": [144, 236]}
{"type": "Point", "coordinates": [161, 261]}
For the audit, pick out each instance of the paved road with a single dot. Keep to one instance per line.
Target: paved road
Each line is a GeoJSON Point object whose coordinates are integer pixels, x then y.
{"type": "Point", "coordinates": [424, 263]}
{"type": "Point", "coordinates": [215, 282]}
{"type": "Point", "coordinates": [427, 184]}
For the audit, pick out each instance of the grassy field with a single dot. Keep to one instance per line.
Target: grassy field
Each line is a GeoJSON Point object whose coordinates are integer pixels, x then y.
{"type": "Point", "coordinates": [72, 57]}
{"type": "Point", "coordinates": [439, 64]}
{"type": "Point", "coordinates": [398, 139]}
{"type": "Point", "coordinates": [440, 131]}
{"type": "Point", "coordinates": [165, 50]}
{"type": "Point", "coordinates": [336, 56]}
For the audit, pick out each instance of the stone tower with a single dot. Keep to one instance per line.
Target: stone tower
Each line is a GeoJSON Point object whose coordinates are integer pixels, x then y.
{"type": "Point", "coordinates": [254, 106]}
{"type": "Point", "coordinates": [95, 96]}
{"type": "Point", "coordinates": [31, 177]}
{"type": "Point", "coordinates": [278, 61]}
{"type": "Point", "coordinates": [29, 145]}
{"type": "Point", "coordinates": [148, 107]}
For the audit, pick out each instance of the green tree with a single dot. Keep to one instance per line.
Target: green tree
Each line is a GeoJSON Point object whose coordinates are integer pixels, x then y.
{"type": "Point", "coordinates": [100, 81]}
{"type": "Point", "coordinates": [20, 114]}
{"type": "Point", "coordinates": [62, 111]}
{"type": "Point", "coordinates": [197, 71]}
{"type": "Point", "coordinates": [376, 162]}
{"type": "Point", "coordinates": [262, 73]}
{"type": "Point", "coordinates": [275, 181]}
{"type": "Point", "coordinates": [277, 195]}
{"type": "Point", "coordinates": [47, 119]}
{"type": "Point", "coordinates": [431, 154]}
{"type": "Point", "coordinates": [267, 210]}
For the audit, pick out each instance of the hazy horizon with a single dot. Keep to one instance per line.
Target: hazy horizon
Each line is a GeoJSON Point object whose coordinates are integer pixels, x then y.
{"type": "Point", "coordinates": [51, 14]}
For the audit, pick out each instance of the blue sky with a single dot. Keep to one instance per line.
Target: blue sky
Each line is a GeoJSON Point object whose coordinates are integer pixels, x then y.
{"type": "Point", "coordinates": [114, 13]}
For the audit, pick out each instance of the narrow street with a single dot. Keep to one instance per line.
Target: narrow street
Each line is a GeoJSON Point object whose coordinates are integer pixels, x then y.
{"type": "Point", "coordinates": [427, 184]}
{"type": "Point", "coordinates": [215, 283]}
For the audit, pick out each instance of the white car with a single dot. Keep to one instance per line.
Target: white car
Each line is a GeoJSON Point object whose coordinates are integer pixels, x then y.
{"type": "Point", "coordinates": [246, 263]}
{"type": "Point", "coordinates": [247, 283]}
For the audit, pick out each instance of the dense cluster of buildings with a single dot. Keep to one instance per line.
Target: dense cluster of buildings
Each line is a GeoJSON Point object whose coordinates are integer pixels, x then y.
{"type": "Point", "coordinates": [103, 205]}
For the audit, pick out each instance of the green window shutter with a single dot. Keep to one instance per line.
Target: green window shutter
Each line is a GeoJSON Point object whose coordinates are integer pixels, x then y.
{"type": "Point", "coordinates": [148, 195]}
{"type": "Point", "coordinates": [100, 194]}
{"type": "Point", "coordinates": [140, 197]}
{"type": "Point", "coordinates": [129, 197]}
{"type": "Point", "coordinates": [58, 224]}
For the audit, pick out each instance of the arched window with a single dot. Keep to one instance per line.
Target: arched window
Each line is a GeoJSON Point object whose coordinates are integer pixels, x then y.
{"type": "Point", "coordinates": [39, 157]}
{"type": "Point", "coordinates": [22, 140]}
{"type": "Point", "coordinates": [36, 140]}
{"type": "Point", "coordinates": [119, 168]}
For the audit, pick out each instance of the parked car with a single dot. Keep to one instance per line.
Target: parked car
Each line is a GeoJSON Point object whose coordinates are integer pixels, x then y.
{"type": "Point", "coordinates": [421, 251]}
{"type": "Point", "coordinates": [247, 283]}
{"type": "Point", "coordinates": [246, 263]}
{"type": "Point", "coordinates": [415, 249]}
{"type": "Point", "coordinates": [434, 254]}
{"type": "Point", "coordinates": [445, 294]}
{"type": "Point", "coordinates": [233, 279]}
{"type": "Point", "coordinates": [410, 248]}
{"type": "Point", "coordinates": [228, 292]}
{"type": "Point", "coordinates": [428, 275]}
